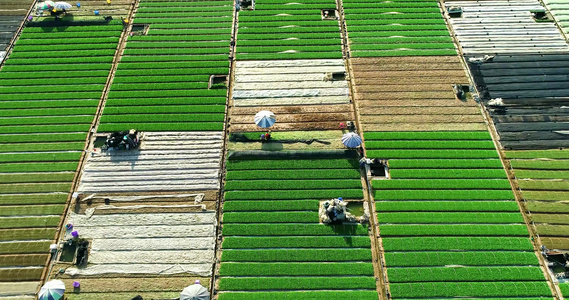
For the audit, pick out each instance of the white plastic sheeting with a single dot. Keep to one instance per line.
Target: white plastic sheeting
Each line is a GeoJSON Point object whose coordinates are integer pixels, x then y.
{"type": "Point", "coordinates": [166, 161]}
{"type": "Point", "coordinates": [488, 27]}
{"type": "Point", "coordinates": [289, 82]}
{"type": "Point", "coordinates": [147, 243]}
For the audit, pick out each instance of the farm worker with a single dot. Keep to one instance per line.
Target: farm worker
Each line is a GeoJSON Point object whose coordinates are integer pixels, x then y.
{"type": "Point", "coordinates": [263, 137]}
{"type": "Point", "coordinates": [268, 136]}
{"type": "Point", "coordinates": [342, 126]}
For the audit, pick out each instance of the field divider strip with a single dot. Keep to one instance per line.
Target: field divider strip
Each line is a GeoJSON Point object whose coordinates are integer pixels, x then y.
{"type": "Point", "coordinates": [223, 160]}
{"type": "Point", "coordinates": [378, 262]}
{"type": "Point", "coordinates": [535, 240]}
{"type": "Point", "coordinates": [96, 120]}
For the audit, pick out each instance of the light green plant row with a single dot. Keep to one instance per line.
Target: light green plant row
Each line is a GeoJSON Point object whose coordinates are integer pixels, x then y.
{"type": "Point", "coordinates": [420, 144]}
{"type": "Point", "coordinates": [453, 230]}
{"type": "Point", "coordinates": [449, 218]}
{"type": "Point", "coordinates": [449, 274]}
{"type": "Point", "coordinates": [447, 173]}
{"type": "Point", "coordinates": [532, 154]}
{"type": "Point", "coordinates": [444, 195]}
{"type": "Point", "coordinates": [293, 295]}
{"type": "Point", "coordinates": [55, 166]}
{"type": "Point", "coordinates": [518, 290]}
{"type": "Point", "coordinates": [210, 126]}
{"type": "Point", "coordinates": [291, 164]}
{"type": "Point", "coordinates": [293, 229]}
{"type": "Point", "coordinates": [297, 255]}
{"type": "Point", "coordinates": [539, 164]}
{"type": "Point", "coordinates": [465, 206]}
{"type": "Point", "coordinates": [445, 164]}
{"type": "Point", "coordinates": [270, 217]}
{"type": "Point", "coordinates": [297, 242]}
{"type": "Point", "coordinates": [472, 243]}
{"type": "Point", "coordinates": [29, 210]}
{"type": "Point", "coordinates": [547, 185]}
{"type": "Point", "coordinates": [142, 102]}
{"type": "Point", "coordinates": [296, 174]}
{"type": "Point", "coordinates": [474, 258]}
{"type": "Point", "coordinates": [443, 184]}
{"type": "Point", "coordinates": [38, 147]}
{"type": "Point", "coordinates": [389, 154]}
{"type": "Point", "coordinates": [296, 269]}
{"type": "Point", "coordinates": [295, 283]}
{"type": "Point", "coordinates": [174, 109]}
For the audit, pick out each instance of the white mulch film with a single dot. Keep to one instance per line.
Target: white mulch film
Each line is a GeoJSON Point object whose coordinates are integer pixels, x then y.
{"type": "Point", "coordinates": [289, 82]}
{"type": "Point", "coordinates": [157, 269]}
{"type": "Point", "coordinates": [489, 27]}
{"type": "Point", "coordinates": [18, 290]}
{"type": "Point", "coordinates": [166, 161]}
{"type": "Point", "coordinates": [147, 243]}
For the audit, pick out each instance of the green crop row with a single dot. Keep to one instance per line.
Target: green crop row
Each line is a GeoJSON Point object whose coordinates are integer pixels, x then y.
{"type": "Point", "coordinates": [59, 81]}
{"type": "Point", "coordinates": [295, 174]}
{"type": "Point", "coordinates": [270, 217]}
{"type": "Point", "coordinates": [547, 207]}
{"type": "Point", "coordinates": [166, 93]}
{"type": "Point", "coordinates": [66, 47]}
{"type": "Point", "coordinates": [46, 89]}
{"type": "Point", "coordinates": [293, 184]}
{"type": "Point", "coordinates": [444, 195]}
{"type": "Point", "coordinates": [62, 54]}
{"type": "Point", "coordinates": [456, 243]}
{"type": "Point", "coordinates": [540, 164]}
{"type": "Point", "coordinates": [70, 35]}
{"type": "Point", "coordinates": [142, 102]}
{"type": "Point", "coordinates": [158, 86]}
{"type": "Point", "coordinates": [292, 164]}
{"type": "Point", "coordinates": [294, 255]}
{"type": "Point", "coordinates": [53, 74]}
{"type": "Point", "coordinates": [401, 40]}
{"type": "Point", "coordinates": [295, 283]}
{"type": "Point", "coordinates": [429, 144]}
{"type": "Point", "coordinates": [200, 65]}
{"type": "Point", "coordinates": [171, 78]}
{"type": "Point", "coordinates": [173, 71]}
{"type": "Point", "coordinates": [496, 206]}
{"type": "Point", "coordinates": [36, 177]}
{"type": "Point", "coordinates": [293, 295]}
{"type": "Point", "coordinates": [213, 22]}
{"type": "Point", "coordinates": [217, 38]}
{"type": "Point", "coordinates": [175, 54]}
{"type": "Point", "coordinates": [172, 14]}
{"type": "Point", "coordinates": [487, 184]}
{"type": "Point", "coordinates": [33, 199]}
{"type": "Point", "coordinates": [453, 230]}
{"type": "Point", "coordinates": [400, 52]}
{"type": "Point", "coordinates": [63, 41]}
{"type": "Point", "coordinates": [55, 166]}
{"type": "Point", "coordinates": [261, 33]}
{"type": "Point", "coordinates": [110, 127]}
{"type": "Point", "coordinates": [29, 222]}
{"type": "Point", "coordinates": [295, 269]}
{"type": "Point", "coordinates": [21, 247]}
{"type": "Point", "coordinates": [398, 28]}
{"type": "Point", "coordinates": [276, 49]}
{"type": "Point", "coordinates": [446, 173]}
{"type": "Point", "coordinates": [34, 188]}
{"type": "Point", "coordinates": [519, 290]}
{"type": "Point", "coordinates": [526, 154]}
{"type": "Point", "coordinates": [540, 174]}
{"type": "Point", "coordinates": [259, 205]}
{"type": "Point", "coordinates": [357, 14]}
{"type": "Point", "coordinates": [478, 258]}
{"type": "Point", "coordinates": [40, 210]}
{"type": "Point", "coordinates": [287, 43]}
{"type": "Point", "coordinates": [292, 229]}
{"type": "Point", "coordinates": [444, 164]}
{"type": "Point", "coordinates": [294, 194]}
{"type": "Point", "coordinates": [40, 157]}
{"type": "Point", "coordinates": [235, 242]}
{"type": "Point", "coordinates": [162, 118]}
{"type": "Point", "coordinates": [402, 33]}
{"type": "Point", "coordinates": [45, 120]}
{"type": "Point", "coordinates": [549, 185]}
{"type": "Point", "coordinates": [433, 153]}
{"type": "Point", "coordinates": [127, 110]}
{"type": "Point", "coordinates": [545, 195]}
{"type": "Point", "coordinates": [371, 6]}
{"type": "Point", "coordinates": [198, 4]}
{"type": "Point", "coordinates": [31, 138]}
{"type": "Point", "coordinates": [448, 218]}
{"type": "Point", "coordinates": [408, 47]}
{"type": "Point", "coordinates": [291, 55]}
{"type": "Point", "coordinates": [449, 274]}
{"type": "Point", "coordinates": [271, 17]}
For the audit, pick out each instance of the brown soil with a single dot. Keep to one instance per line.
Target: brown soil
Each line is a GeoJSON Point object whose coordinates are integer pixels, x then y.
{"type": "Point", "coordinates": [555, 243]}
{"type": "Point", "coordinates": [457, 75]}
{"type": "Point", "coordinates": [404, 96]}
{"type": "Point", "coordinates": [425, 127]}
{"type": "Point", "coordinates": [406, 59]}
{"type": "Point", "coordinates": [423, 110]}
{"type": "Point", "coordinates": [409, 80]}
{"type": "Point", "coordinates": [403, 88]}
{"type": "Point", "coordinates": [251, 111]}
{"type": "Point", "coordinates": [383, 119]}
{"type": "Point", "coordinates": [390, 104]}
{"type": "Point", "coordinates": [296, 118]}
{"type": "Point", "coordinates": [288, 126]}
{"type": "Point", "coordinates": [145, 284]}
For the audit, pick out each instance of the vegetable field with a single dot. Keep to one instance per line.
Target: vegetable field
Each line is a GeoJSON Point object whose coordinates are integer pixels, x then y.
{"type": "Point", "coordinates": [450, 227]}
{"type": "Point", "coordinates": [396, 28]}
{"type": "Point", "coordinates": [288, 30]}
{"type": "Point", "coordinates": [49, 91]}
{"type": "Point", "coordinates": [161, 83]}
{"type": "Point", "coordinates": [542, 177]}
{"type": "Point", "coordinates": [273, 244]}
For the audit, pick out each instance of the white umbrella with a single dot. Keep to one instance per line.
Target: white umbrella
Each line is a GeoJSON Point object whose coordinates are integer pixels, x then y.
{"type": "Point", "coordinates": [265, 119]}
{"type": "Point", "coordinates": [194, 292]}
{"type": "Point", "coordinates": [52, 290]}
{"type": "Point", "coordinates": [62, 5]}
{"type": "Point", "coordinates": [351, 140]}
{"type": "Point", "coordinates": [45, 5]}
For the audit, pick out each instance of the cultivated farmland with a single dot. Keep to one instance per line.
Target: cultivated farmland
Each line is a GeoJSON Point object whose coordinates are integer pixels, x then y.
{"type": "Point", "coordinates": [440, 235]}
{"type": "Point", "coordinates": [396, 28]}
{"type": "Point", "coordinates": [161, 83]}
{"type": "Point", "coordinates": [12, 15]}
{"type": "Point", "coordinates": [47, 106]}
{"type": "Point", "coordinates": [273, 244]}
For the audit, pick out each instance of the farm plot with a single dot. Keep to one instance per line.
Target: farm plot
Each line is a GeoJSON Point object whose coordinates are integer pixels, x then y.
{"type": "Point", "coordinates": [273, 244]}
{"type": "Point", "coordinates": [48, 99]}
{"type": "Point", "coordinates": [396, 28]}
{"type": "Point", "coordinates": [148, 244]}
{"type": "Point", "coordinates": [449, 223]}
{"type": "Point", "coordinates": [413, 93]}
{"type": "Point", "coordinates": [162, 82]}
{"type": "Point", "coordinates": [560, 11]}
{"type": "Point", "coordinates": [287, 140]}
{"type": "Point", "coordinates": [542, 176]}
{"type": "Point", "coordinates": [487, 28]}
{"type": "Point", "coordinates": [165, 161]}
{"type": "Point", "coordinates": [12, 15]}
{"type": "Point", "coordinates": [531, 116]}
{"type": "Point", "coordinates": [281, 30]}
{"type": "Point", "coordinates": [304, 94]}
